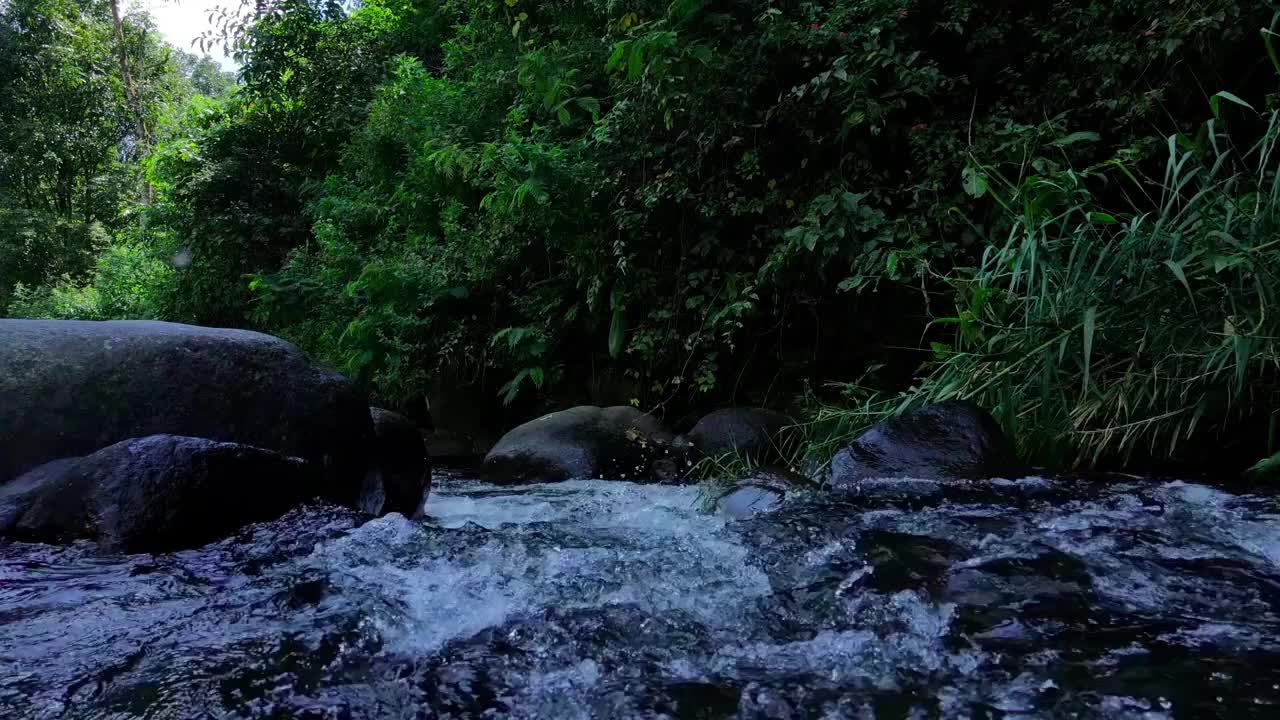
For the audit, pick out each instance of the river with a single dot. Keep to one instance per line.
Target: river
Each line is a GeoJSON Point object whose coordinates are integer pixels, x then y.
{"type": "Point", "coordinates": [907, 599]}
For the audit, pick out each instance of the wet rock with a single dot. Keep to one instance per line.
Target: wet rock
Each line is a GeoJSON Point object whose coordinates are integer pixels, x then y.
{"type": "Point", "coordinates": [754, 433]}
{"type": "Point", "coordinates": [953, 440]}
{"type": "Point", "coordinates": [760, 491]}
{"type": "Point", "coordinates": [614, 443]}
{"type": "Point", "coordinates": [399, 476]}
{"type": "Point", "coordinates": [1016, 599]}
{"type": "Point", "coordinates": [70, 388]}
{"type": "Point", "coordinates": [154, 494]}
{"type": "Point", "coordinates": [900, 561]}
{"type": "Point", "coordinates": [743, 499]}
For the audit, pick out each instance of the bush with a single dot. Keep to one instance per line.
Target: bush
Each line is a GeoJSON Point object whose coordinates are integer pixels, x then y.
{"type": "Point", "coordinates": [714, 200]}
{"type": "Point", "coordinates": [1096, 333]}
{"type": "Point", "coordinates": [127, 284]}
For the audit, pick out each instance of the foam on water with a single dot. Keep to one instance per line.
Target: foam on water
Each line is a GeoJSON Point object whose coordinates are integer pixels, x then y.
{"type": "Point", "coordinates": [1013, 598]}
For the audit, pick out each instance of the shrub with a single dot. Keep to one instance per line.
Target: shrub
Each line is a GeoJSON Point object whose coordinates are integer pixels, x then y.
{"type": "Point", "coordinates": [1096, 333]}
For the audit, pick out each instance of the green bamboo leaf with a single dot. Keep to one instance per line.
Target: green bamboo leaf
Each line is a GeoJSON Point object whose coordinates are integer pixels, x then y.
{"type": "Point", "coordinates": [1090, 322]}
{"type": "Point", "coordinates": [617, 332]}
{"type": "Point", "coordinates": [1076, 137]}
{"type": "Point", "coordinates": [1271, 48]}
{"type": "Point", "coordinates": [1176, 269]}
{"type": "Point", "coordinates": [1213, 101]}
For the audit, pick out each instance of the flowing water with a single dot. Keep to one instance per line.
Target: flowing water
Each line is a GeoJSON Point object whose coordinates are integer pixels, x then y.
{"type": "Point", "coordinates": [1028, 598]}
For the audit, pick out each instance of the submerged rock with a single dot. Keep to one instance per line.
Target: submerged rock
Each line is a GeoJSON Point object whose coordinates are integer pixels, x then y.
{"type": "Point", "coordinates": [154, 494]}
{"type": "Point", "coordinates": [953, 440]}
{"type": "Point", "coordinates": [584, 442]}
{"type": "Point", "coordinates": [762, 490]}
{"type": "Point", "coordinates": [70, 388]}
{"type": "Point", "coordinates": [751, 432]}
{"type": "Point", "coordinates": [399, 475]}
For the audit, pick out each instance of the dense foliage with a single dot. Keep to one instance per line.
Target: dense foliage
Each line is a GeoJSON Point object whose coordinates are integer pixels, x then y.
{"type": "Point", "coordinates": [688, 203]}
{"type": "Point", "coordinates": [72, 152]}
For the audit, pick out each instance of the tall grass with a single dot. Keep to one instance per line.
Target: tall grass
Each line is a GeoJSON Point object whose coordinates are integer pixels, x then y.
{"type": "Point", "coordinates": [1092, 332]}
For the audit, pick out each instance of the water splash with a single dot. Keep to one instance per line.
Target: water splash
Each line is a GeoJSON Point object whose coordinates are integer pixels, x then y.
{"type": "Point", "coordinates": [1018, 598]}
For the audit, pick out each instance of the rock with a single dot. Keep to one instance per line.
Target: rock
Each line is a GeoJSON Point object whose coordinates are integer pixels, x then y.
{"type": "Point", "coordinates": [751, 432]}
{"type": "Point", "coordinates": [615, 443]}
{"type": "Point", "coordinates": [70, 388]}
{"type": "Point", "coordinates": [760, 491]}
{"type": "Point", "coordinates": [399, 475]}
{"type": "Point", "coordinates": [953, 440]}
{"type": "Point", "coordinates": [154, 494]}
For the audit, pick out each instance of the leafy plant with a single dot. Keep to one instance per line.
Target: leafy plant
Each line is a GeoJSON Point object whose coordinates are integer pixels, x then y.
{"type": "Point", "coordinates": [1097, 333]}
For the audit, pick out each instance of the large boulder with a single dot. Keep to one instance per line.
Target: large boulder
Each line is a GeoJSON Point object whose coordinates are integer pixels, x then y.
{"type": "Point", "coordinates": [399, 475]}
{"type": "Point", "coordinates": [154, 494]}
{"type": "Point", "coordinates": [953, 440]}
{"type": "Point", "coordinates": [69, 388]}
{"type": "Point", "coordinates": [754, 433]}
{"type": "Point", "coordinates": [584, 442]}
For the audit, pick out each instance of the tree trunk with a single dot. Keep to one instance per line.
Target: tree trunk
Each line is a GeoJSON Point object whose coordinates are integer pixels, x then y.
{"type": "Point", "coordinates": [131, 93]}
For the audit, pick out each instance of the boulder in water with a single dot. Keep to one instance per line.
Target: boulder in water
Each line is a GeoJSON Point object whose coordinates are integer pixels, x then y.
{"type": "Point", "coordinates": [70, 388]}
{"type": "Point", "coordinates": [953, 440]}
{"type": "Point", "coordinates": [585, 442]}
{"type": "Point", "coordinates": [154, 494]}
{"type": "Point", "coordinates": [750, 432]}
{"type": "Point", "coordinates": [399, 476]}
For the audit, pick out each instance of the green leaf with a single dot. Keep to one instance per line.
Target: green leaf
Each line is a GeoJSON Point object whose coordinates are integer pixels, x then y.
{"type": "Point", "coordinates": [1176, 269]}
{"type": "Point", "coordinates": [635, 63]}
{"type": "Point", "coordinates": [1265, 468]}
{"type": "Point", "coordinates": [1271, 49]}
{"type": "Point", "coordinates": [1090, 322]}
{"type": "Point", "coordinates": [1076, 137]}
{"type": "Point", "coordinates": [1213, 101]}
{"type": "Point", "coordinates": [591, 105]}
{"type": "Point", "coordinates": [1225, 262]}
{"type": "Point", "coordinates": [515, 29]}
{"type": "Point", "coordinates": [811, 239]}
{"type": "Point", "coordinates": [1103, 218]}
{"type": "Point", "coordinates": [974, 184]}
{"type": "Point", "coordinates": [511, 389]}
{"type": "Point", "coordinates": [617, 332]}
{"type": "Point", "coordinates": [615, 58]}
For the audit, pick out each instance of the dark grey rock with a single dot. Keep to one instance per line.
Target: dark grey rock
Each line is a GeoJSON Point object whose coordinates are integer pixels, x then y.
{"type": "Point", "coordinates": [614, 443]}
{"type": "Point", "coordinates": [70, 388]}
{"type": "Point", "coordinates": [400, 468]}
{"type": "Point", "coordinates": [953, 440]}
{"type": "Point", "coordinates": [154, 494]}
{"type": "Point", "coordinates": [754, 433]}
